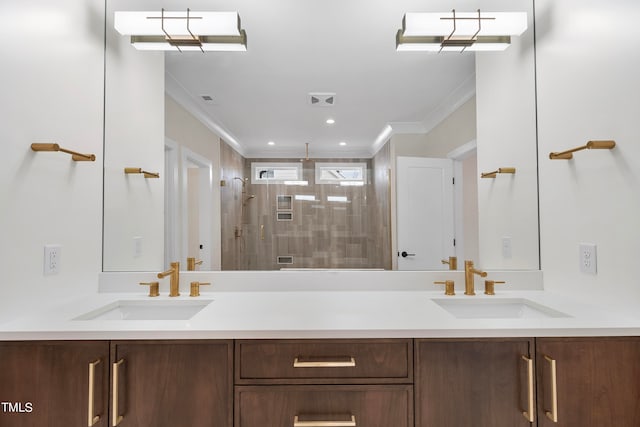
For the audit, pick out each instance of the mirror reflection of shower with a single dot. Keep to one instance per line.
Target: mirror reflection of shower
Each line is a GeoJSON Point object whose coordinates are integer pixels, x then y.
{"type": "Point", "coordinates": [244, 198]}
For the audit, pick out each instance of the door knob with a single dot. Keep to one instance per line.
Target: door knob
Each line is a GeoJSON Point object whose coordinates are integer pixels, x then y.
{"type": "Point", "coordinates": [405, 254]}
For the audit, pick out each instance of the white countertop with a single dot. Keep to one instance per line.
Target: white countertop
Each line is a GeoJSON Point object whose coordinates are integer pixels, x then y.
{"type": "Point", "coordinates": [319, 314]}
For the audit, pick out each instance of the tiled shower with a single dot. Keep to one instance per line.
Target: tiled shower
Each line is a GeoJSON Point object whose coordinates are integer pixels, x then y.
{"type": "Point", "coordinates": [272, 226]}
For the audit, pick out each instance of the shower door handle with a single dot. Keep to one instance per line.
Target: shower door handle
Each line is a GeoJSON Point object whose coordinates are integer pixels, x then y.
{"type": "Point", "coordinates": [405, 254]}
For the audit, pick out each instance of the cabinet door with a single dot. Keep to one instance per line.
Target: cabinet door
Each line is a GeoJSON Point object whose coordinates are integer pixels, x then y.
{"type": "Point", "coordinates": [54, 384]}
{"type": "Point", "coordinates": [480, 383]}
{"type": "Point", "coordinates": [324, 405]}
{"type": "Point", "coordinates": [597, 381]}
{"type": "Point", "coordinates": [172, 383]}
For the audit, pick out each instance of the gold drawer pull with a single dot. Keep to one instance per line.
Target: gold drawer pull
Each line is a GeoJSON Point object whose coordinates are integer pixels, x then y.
{"type": "Point", "coordinates": [92, 418]}
{"type": "Point", "coordinates": [529, 413]}
{"type": "Point", "coordinates": [350, 421]}
{"type": "Point", "coordinates": [116, 417]}
{"type": "Point", "coordinates": [324, 362]}
{"type": "Point", "coordinates": [553, 414]}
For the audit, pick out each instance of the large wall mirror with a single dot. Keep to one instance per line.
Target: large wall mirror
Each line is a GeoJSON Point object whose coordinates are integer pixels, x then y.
{"type": "Point", "coordinates": [321, 146]}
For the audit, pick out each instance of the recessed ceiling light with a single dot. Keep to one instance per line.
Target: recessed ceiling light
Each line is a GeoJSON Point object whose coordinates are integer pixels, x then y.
{"type": "Point", "coordinates": [271, 143]}
{"type": "Point", "coordinates": [343, 143]}
{"type": "Point", "coordinates": [330, 121]}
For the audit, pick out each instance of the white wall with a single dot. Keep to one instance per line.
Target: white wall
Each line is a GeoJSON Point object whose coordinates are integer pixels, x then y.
{"type": "Point", "coordinates": [588, 88]}
{"type": "Point", "coordinates": [134, 137]}
{"type": "Point", "coordinates": [505, 98]}
{"type": "Point", "coordinates": [455, 130]}
{"type": "Point", "coordinates": [52, 75]}
{"type": "Point", "coordinates": [188, 132]}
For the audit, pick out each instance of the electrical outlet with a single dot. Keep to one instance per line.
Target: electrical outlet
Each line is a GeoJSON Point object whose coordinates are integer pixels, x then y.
{"type": "Point", "coordinates": [52, 254]}
{"type": "Point", "coordinates": [588, 259]}
{"type": "Point", "coordinates": [506, 247]}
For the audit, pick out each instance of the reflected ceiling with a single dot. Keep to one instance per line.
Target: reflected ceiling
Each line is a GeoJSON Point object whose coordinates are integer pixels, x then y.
{"type": "Point", "coordinates": [296, 47]}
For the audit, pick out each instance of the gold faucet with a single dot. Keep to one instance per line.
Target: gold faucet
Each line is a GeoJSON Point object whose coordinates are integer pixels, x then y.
{"type": "Point", "coordinates": [191, 263]}
{"type": "Point", "coordinates": [453, 263]}
{"type": "Point", "coordinates": [469, 271]}
{"type": "Point", "coordinates": [174, 284]}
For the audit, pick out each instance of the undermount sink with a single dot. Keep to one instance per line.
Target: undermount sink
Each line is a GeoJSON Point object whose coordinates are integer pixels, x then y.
{"type": "Point", "coordinates": [499, 308]}
{"type": "Point", "coordinates": [146, 310]}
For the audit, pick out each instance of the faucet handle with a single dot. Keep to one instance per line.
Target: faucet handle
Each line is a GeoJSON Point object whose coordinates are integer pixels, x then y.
{"type": "Point", "coordinates": [192, 262]}
{"type": "Point", "coordinates": [489, 288]}
{"type": "Point", "coordinates": [452, 262]}
{"type": "Point", "coordinates": [195, 288]}
{"type": "Point", "coordinates": [154, 288]}
{"type": "Point", "coordinates": [449, 287]}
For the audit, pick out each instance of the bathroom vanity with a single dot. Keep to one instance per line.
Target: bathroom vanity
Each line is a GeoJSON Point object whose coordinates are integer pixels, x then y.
{"type": "Point", "coordinates": [379, 358]}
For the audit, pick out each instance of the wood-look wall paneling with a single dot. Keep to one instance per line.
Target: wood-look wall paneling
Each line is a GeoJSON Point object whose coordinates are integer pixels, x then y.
{"type": "Point", "coordinates": [231, 210]}
{"type": "Point", "coordinates": [320, 234]}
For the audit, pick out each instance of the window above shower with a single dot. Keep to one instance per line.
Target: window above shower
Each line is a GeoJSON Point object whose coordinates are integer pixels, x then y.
{"type": "Point", "coordinates": [275, 173]}
{"type": "Point", "coordinates": [344, 174]}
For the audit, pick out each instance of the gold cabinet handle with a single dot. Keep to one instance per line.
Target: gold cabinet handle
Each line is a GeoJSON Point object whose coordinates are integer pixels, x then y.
{"type": "Point", "coordinates": [351, 422]}
{"type": "Point", "coordinates": [320, 362]}
{"type": "Point", "coordinates": [115, 413]}
{"type": "Point", "coordinates": [553, 414]}
{"type": "Point", "coordinates": [529, 414]}
{"type": "Point", "coordinates": [92, 418]}
{"type": "Point", "coordinates": [261, 231]}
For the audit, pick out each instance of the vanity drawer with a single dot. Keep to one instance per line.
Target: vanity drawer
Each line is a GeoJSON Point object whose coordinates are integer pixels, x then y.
{"type": "Point", "coordinates": [365, 405]}
{"type": "Point", "coordinates": [324, 361]}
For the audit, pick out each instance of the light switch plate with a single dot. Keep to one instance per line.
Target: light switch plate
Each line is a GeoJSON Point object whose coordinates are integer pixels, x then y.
{"type": "Point", "coordinates": [588, 258]}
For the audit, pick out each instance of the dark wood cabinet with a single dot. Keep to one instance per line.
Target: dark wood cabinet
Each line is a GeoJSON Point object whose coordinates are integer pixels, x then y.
{"type": "Point", "coordinates": [479, 382]}
{"type": "Point", "coordinates": [496, 382]}
{"type": "Point", "coordinates": [592, 382]}
{"type": "Point", "coordinates": [54, 384]}
{"type": "Point", "coordinates": [365, 405]}
{"type": "Point", "coordinates": [298, 383]}
{"type": "Point", "coordinates": [172, 383]}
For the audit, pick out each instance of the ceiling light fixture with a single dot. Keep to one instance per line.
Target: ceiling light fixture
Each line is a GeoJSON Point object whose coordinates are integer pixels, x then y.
{"type": "Point", "coordinates": [459, 32]}
{"type": "Point", "coordinates": [182, 31]}
{"type": "Point", "coordinates": [271, 143]}
{"type": "Point", "coordinates": [342, 143]}
{"type": "Point", "coordinates": [330, 121]}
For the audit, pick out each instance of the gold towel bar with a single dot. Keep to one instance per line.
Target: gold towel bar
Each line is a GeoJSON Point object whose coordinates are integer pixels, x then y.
{"type": "Point", "coordinates": [494, 173]}
{"type": "Point", "coordinates": [139, 170]}
{"type": "Point", "coordinates": [591, 145]}
{"type": "Point", "coordinates": [78, 157]}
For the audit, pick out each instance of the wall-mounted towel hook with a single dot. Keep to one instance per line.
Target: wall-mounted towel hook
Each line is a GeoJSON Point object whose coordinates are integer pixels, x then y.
{"type": "Point", "coordinates": [591, 145]}
{"type": "Point", "coordinates": [78, 157]}
{"type": "Point", "coordinates": [494, 173]}
{"type": "Point", "coordinates": [145, 173]}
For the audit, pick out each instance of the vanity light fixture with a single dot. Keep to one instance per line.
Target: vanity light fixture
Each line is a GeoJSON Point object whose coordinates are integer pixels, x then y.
{"type": "Point", "coordinates": [145, 173]}
{"type": "Point", "coordinates": [591, 145]}
{"type": "Point", "coordinates": [495, 173]}
{"type": "Point", "coordinates": [182, 31]}
{"type": "Point", "coordinates": [459, 32]}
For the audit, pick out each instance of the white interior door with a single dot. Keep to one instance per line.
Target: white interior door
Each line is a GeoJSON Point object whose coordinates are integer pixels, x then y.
{"type": "Point", "coordinates": [425, 214]}
{"type": "Point", "coordinates": [197, 209]}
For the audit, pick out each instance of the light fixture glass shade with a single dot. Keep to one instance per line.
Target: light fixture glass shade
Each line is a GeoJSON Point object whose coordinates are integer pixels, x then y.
{"type": "Point", "coordinates": [441, 24]}
{"type": "Point", "coordinates": [459, 31]}
{"type": "Point", "coordinates": [182, 31]}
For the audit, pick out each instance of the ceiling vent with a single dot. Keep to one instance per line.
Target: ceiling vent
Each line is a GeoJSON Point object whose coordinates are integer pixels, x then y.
{"type": "Point", "coordinates": [322, 99]}
{"type": "Point", "coordinates": [207, 98]}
